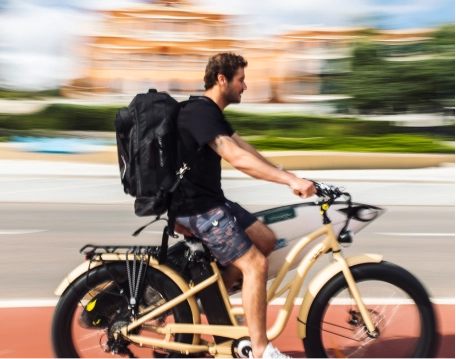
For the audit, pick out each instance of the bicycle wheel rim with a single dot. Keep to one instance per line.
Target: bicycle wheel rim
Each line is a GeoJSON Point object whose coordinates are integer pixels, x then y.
{"type": "Point", "coordinates": [79, 333]}
{"type": "Point", "coordinates": [399, 307]}
{"type": "Point", "coordinates": [396, 318]}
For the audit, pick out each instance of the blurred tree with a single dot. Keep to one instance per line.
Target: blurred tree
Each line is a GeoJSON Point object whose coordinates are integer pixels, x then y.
{"type": "Point", "coordinates": [411, 83]}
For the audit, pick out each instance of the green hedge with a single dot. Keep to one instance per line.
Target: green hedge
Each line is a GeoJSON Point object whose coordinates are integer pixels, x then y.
{"type": "Point", "coordinates": [101, 118]}
{"type": "Point", "coordinates": [27, 95]}
{"type": "Point", "coordinates": [299, 126]}
{"type": "Point", "coordinates": [388, 143]}
{"type": "Point", "coordinates": [276, 131]}
{"type": "Point", "coordinates": [61, 117]}
{"type": "Point", "coordinates": [304, 126]}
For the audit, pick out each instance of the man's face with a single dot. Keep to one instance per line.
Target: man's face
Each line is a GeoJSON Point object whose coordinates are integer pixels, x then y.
{"type": "Point", "coordinates": [236, 87]}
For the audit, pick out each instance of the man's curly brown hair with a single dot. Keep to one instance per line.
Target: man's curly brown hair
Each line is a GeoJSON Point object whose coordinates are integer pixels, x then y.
{"type": "Point", "coordinates": [225, 63]}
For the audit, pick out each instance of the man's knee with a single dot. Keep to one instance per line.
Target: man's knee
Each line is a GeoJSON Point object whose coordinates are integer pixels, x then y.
{"type": "Point", "coordinates": [261, 262]}
{"type": "Point", "coordinates": [253, 261]}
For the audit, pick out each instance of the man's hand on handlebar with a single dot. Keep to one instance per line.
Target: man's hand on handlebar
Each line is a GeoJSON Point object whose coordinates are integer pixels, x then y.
{"type": "Point", "coordinates": [303, 188]}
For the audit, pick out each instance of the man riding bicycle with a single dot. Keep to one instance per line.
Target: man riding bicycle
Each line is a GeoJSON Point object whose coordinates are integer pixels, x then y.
{"type": "Point", "coordinates": [236, 238]}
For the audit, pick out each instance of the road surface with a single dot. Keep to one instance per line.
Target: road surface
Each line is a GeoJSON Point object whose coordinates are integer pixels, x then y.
{"type": "Point", "coordinates": [46, 217]}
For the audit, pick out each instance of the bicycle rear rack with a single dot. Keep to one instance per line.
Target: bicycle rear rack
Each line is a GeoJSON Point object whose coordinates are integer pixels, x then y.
{"type": "Point", "coordinates": [90, 250]}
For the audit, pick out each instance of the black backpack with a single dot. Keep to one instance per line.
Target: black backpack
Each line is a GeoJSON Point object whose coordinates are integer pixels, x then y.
{"type": "Point", "coordinates": [147, 150]}
{"type": "Point", "coordinates": [146, 134]}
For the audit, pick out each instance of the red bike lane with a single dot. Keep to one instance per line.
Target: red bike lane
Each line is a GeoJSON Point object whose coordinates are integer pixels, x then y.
{"type": "Point", "coordinates": [25, 332]}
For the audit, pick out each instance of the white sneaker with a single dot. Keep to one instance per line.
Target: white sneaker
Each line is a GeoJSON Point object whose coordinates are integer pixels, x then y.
{"type": "Point", "coordinates": [271, 352]}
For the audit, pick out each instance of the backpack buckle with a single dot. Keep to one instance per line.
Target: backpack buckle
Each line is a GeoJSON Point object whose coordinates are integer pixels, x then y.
{"type": "Point", "coordinates": [182, 170]}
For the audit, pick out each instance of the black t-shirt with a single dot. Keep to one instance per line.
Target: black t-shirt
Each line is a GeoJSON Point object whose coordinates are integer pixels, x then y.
{"type": "Point", "coordinates": [200, 121]}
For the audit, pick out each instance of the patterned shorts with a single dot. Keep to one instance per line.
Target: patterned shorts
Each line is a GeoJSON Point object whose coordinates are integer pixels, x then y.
{"type": "Point", "coordinates": [222, 230]}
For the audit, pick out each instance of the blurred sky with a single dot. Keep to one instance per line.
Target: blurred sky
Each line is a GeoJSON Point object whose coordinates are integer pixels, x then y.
{"type": "Point", "coordinates": [36, 36]}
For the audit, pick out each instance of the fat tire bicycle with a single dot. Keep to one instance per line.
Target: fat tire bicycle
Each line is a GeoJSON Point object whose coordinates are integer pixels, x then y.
{"type": "Point", "coordinates": [121, 301]}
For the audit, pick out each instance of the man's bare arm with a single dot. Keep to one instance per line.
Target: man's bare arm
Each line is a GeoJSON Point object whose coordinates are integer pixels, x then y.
{"type": "Point", "coordinates": [249, 148]}
{"type": "Point", "coordinates": [250, 164]}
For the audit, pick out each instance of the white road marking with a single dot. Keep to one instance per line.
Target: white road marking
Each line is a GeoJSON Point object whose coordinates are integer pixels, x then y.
{"type": "Point", "coordinates": [59, 188]}
{"type": "Point", "coordinates": [23, 179]}
{"type": "Point", "coordinates": [418, 234]}
{"type": "Point", "coordinates": [28, 303]}
{"type": "Point", "coordinates": [21, 231]}
{"type": "Point", "coordinates": [51, 302]}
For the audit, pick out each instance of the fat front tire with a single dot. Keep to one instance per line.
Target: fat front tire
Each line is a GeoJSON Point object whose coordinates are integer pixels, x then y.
{"type": "Point", "coordinates": [399, 307]}
{"type": "Point", "coordinates": [91, 307]}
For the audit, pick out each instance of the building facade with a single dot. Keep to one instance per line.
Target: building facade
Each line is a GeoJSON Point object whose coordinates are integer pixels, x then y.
{"type": "Point", "coordinates": [163, 45]}
{"type": "Point", "coordinates": [166, 45]}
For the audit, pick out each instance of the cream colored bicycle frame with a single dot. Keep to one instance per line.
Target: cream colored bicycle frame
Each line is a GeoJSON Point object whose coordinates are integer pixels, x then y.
{"type": "Point", "coordinates": [327, 243]}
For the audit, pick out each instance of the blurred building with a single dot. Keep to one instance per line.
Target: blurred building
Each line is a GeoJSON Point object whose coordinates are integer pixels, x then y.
{"type": "Point", "coordinates": [163, 45]}
{"type": "Point", "coordinates": [310, 62]}
{"type": "Point", "coordinates": [166, 44]}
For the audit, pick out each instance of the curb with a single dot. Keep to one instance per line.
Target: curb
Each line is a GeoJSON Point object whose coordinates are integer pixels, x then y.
{"type": "Point", "coordinates": [290, 160]}
{"type": "Point", "coordinates": [429, 175]}
{"type": "Point", "coordinates": [313, 160]}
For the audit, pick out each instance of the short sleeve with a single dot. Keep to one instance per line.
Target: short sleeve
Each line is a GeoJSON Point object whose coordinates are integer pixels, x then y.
{"type": "Point", "coordinates": [207, 122]}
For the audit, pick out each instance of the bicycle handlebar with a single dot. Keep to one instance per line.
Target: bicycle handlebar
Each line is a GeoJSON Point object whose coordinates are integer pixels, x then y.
{"type": "Point", "coordinates": [326, 192]}
{"type": "Point", "coordinates": [327, 195]}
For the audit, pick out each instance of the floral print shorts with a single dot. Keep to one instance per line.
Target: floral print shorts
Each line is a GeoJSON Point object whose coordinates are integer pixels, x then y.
{"type": "Point", "coordinates": [222, 230]}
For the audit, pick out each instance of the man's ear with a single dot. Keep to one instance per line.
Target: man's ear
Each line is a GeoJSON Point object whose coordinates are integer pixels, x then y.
{"type": "Point", "coordinates": [221, 79]}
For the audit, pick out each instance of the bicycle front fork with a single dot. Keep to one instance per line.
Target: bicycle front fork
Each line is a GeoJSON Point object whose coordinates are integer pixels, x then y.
{"type": "Point", "coordinates": [356, 295]}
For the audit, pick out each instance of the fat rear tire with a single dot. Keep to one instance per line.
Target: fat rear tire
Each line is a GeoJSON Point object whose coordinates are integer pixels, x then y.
{"type": "Point", "coordinates": [64, 335]}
